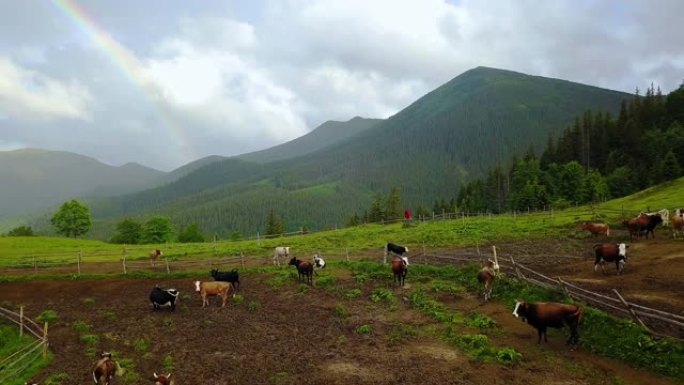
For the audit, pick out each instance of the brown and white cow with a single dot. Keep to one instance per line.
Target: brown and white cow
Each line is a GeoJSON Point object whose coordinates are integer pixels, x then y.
{"type": "Point", "coordinates": [597, 229]}
{"type": "Point", "coordinates": [104, 369]}
{"type": "Point", "coordinates": [548, 314]}
{"type": "Point", "coordinates": [678, 223]}
{"type": "Point", "coordinates": [161, 379]}
{"type": "Point", "coordinates": [611, 252]}
{"type": "Point", "coordinates": [486, 276]}
{"type": "Point", "coordinates": [154, 254]}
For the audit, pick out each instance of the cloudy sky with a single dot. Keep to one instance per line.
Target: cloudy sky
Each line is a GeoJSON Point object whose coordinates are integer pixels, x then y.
{"type": "Point", "coordinates": [165, 82]}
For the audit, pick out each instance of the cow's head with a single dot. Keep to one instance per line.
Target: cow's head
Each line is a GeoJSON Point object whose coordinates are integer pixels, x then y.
{"type": "Point", "coordinates": [622, 250]}
{"type": "Point", "coordinates": [160, 379]}
{"type": "Point", "coordinates": [520, 310]}
{"type": "Point", "coordinates": [106, 355]}
{"type": "Point", "coordinates": [197, 286]}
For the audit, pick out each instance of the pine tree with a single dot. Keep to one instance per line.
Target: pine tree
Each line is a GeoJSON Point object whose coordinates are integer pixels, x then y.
{"type": "Point", "coordinates": [670, 168]}
{"type": "Point", "coordinates": [274, 225]}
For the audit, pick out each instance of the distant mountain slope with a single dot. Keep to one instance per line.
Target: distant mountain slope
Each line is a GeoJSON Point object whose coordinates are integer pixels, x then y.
{"type": "Point", "coordinates": [327, 134]}
{"type": "Point", "coordinates": [36, 179]}
{"type": "Point", "coordinates": [190, 167]}
{"type": "Point", "coordinates": [452, 134]}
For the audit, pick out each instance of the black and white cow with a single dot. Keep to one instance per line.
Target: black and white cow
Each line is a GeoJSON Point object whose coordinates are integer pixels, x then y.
{"type": "Point", "coordinates": [396, 250]}
{"type": "Point", "coordinates": [227, 276]}
{"type": "Point", "coordinates": [163, 298]}
{"type": "Point", "coordinates": [318, 262]}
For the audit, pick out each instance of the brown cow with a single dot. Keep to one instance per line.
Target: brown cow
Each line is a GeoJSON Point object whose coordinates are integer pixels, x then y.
{"type": "Point", "coordinates": [486, 276]}
{"type": "Point", "coordinates": [555, 315]}
{"type": "Point", "coordinates": [104, 369]}
{"type": "Point", "coordinates": [597, 229]}
{"type": "Point", "coordinates": [208, 289]}
{"type": "Point", "coordinates": [154, 254]}
{"type": "Point", "coordinates": [399, 270]}
{"type": "Point", "coordinates": [304, 270]}
{"type": "Point", "coordinates": [643, 224]}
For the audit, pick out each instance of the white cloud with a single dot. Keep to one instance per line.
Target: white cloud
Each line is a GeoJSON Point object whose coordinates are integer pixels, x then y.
{"type": "Point", "coordinates": [225, 78]}
{"type": "Point", "coordinates": [30, 95]}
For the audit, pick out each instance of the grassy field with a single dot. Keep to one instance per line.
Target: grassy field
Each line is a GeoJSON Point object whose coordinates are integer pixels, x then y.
{"type": "Point", "coordinates": [453, 233]}
{"type": "Point", "coordinates": [10, 342]}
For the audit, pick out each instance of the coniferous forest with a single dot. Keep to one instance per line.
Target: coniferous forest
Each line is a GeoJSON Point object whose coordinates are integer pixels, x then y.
{"type": "Point", "coordinates": [597, 158]}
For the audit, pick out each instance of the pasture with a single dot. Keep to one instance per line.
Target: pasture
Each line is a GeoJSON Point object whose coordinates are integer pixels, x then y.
{"type": "Point", "coordinates": [352, 326]}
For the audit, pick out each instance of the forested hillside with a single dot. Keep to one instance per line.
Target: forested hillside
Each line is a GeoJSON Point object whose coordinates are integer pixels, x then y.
{"type": "Point", "coordinates": [428, 150]}
{"type": "Point", "coordinates": [596, 158]}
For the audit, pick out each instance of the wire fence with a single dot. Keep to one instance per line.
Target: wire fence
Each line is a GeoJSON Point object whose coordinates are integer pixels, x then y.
{"type": "Point", "coordinates": [13, 365]}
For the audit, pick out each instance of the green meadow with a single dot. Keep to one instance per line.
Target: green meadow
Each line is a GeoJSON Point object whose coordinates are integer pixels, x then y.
{"type": "Point", "coordinates": [369, 238]}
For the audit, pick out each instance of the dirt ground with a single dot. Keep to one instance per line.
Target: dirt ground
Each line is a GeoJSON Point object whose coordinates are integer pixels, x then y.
{"type": "Point", "coordinates": [280, 335]}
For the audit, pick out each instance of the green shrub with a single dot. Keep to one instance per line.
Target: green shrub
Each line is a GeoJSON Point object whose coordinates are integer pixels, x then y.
{"type": "Point", "coordinates": [382, 294]}
{"type": "Point", "coordinates": [364, 329]}
{"type": "Point", "coordinates": [80, 327]}
{"type": "Point", "coordinates": [141, 345]}
{"type": "Point", "coordinates": [49, 316]}
{"type": "Point", "coordinates": [253, 306]}
{"type": "Point", "coordinates": [352, 294]}
{"type": "Point", "coordinates": [89, 339]}
{"type": "Point", "coordinates": [341, 311]}
{"type": "Point", "coordinates": [238, 299]}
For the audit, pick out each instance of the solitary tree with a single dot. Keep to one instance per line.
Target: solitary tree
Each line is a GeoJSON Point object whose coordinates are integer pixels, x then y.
{"type": "Point", "coordinates": [274, 225]}
{"type": "Point", "coordinates": [191, 233]}
{"type": "Point", "coordinates": [128, 231]}
{"type": "Point", "coordinates": [158, 229]}
{"type": "Point", "coordinates": [72, 219]}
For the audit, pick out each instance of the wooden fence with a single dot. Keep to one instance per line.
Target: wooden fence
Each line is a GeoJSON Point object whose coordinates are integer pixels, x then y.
{"type": "Point", "coordinates": [17, 362]}
{"type": "Point", "coordinates": [655, 322]}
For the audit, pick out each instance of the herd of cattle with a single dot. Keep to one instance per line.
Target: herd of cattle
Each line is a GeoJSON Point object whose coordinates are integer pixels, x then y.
{"type": "Point", "coordinates": [539, 315]}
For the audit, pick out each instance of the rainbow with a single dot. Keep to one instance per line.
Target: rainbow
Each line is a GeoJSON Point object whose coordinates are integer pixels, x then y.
{"type": "Point", "coordinates": [129, 65]}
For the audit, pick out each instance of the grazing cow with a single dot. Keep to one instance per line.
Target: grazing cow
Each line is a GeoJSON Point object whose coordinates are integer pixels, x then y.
{"type": "Point", "coordinates": [555, 315]}
{"type": "Point", "coordinates": [399, 271]}
{"type": "Point", "coordinates": [395, 249]}
{"type": "Point", "coordinates": [154, 254]}
{"type": "Point", "coordinates": [664, 214]}
{"type": "Point", "coordinates": [104, 369]}
{"type": "Point", "coordinates": [486, 276]}
{"type": "Point", "coordinates": [163, 298]}
{"type": "Point", "coordinates": [597, 229]}
{"type": "Point", "coordinates": [318, 262]}
{"type": "Point", "coordinates": [160, 379]}
{"type": "Point", "coordinates": [611, 252]}
{"type": "Point", "coordinates": [278, 252]}
{"type": "Point", "coordinates": [678, 223]}
{"type": "Point", "coordinates": [228, 276]}
{"type": "Point", "coordinates": [642, 224]}
{"type": "Point", "coordinates": [304, 269]}
{"type": "Point", "coordinates": [208, 289]}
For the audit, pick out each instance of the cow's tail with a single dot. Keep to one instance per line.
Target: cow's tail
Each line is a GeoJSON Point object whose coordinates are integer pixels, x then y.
{"type": "Point", "coordinates": [579, 314]}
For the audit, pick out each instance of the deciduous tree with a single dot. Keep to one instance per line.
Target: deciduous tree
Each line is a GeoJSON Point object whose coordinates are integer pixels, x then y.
{"type": "Point", "coordinates": [73, 219]}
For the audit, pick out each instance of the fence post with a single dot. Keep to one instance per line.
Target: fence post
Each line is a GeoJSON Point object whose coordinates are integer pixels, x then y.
{"type": "Point", "coordinates": [123, 261]}
{"type": "Point", "coordinates": [21, 321]}
{"type": "Point", "coordinates": [563, 288]}
{"type": "Point", "coordinates": [242, 260]}
{"type": "Point", "coordinates": [78, 262]}
{"type": "Point", "coordinates": [631, 311]}
{"type": "Point", "coordinates": [346, 251]}
{"type": "Point", "coordinates": [168, 271]}
{"type": "Point", "coordinates": [517, 270]}
{"type": "Point", "coordinates": [477, 246]}
{"type": "Point", "coordinates": [35, 267]}
{"type": "Point", "coordinates": [45, 339]}
{"type": "Point", "coordinates": [496, 260]}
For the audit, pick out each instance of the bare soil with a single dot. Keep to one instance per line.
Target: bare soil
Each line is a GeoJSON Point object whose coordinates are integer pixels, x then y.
{"type": "Point", "coordinates": [279, 335]}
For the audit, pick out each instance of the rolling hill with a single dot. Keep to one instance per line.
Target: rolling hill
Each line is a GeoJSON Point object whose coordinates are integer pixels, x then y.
{"type": "Point", "coordinates": [454, 133]}
{"type": "Point", "coordinates": [35, 179]}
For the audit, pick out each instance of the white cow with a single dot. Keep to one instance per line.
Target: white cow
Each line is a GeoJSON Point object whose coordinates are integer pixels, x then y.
{"type": "Point", "coordinates": [318, 262]}
{"type": "Point", "coordinates": [278, 252]}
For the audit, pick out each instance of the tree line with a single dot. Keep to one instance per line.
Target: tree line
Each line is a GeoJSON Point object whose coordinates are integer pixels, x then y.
{"type": "Point", "coordinates": [596, 158]}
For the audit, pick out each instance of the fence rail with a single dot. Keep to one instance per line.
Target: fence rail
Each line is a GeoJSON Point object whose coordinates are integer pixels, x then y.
{"type": "Point", "coordinates": [656, 322]}
{"type": "Point", "coordinates": [13, 365]}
